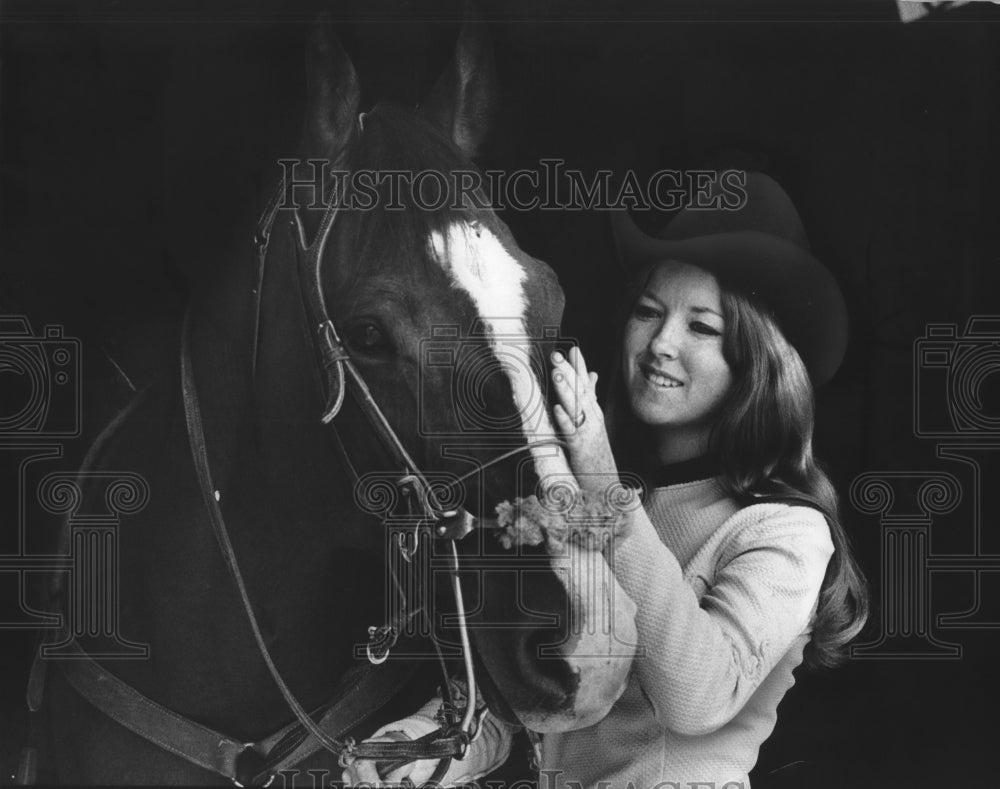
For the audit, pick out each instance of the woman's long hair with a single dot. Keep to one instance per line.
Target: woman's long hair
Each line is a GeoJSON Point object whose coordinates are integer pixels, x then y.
{"type": "Point", "coordinates": [763, 438]}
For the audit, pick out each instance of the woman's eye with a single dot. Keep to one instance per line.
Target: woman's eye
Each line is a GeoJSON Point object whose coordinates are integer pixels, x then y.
{"type": "Point", "coordinates": [704, 328]}
{"type": "Point", "coordinates": [644, 312]}
{"type": "Point", "coordinates": [366, 336]}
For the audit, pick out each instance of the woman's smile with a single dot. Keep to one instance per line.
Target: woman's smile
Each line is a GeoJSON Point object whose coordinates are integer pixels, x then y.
{"type": "Point", "coordinates": [658, 378]}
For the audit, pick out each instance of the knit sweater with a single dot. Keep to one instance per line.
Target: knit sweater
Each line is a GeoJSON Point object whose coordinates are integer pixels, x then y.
{"type": "Point", "coordinates": [725, 598]}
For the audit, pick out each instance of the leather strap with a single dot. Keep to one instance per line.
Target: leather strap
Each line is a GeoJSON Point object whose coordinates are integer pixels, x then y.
{"type": "Point", "coordinates": [193, 742]}
{"type": "Point", "coordinates": [27, 765]}
{"type": "Point", "coordinates": [360, 693]}
{"type": "Point", "coordinates": [199, 454]}
{"type": "Point", "coordinates": [443, 744]}
{"type": "Point", "coordinates": [261, 239]}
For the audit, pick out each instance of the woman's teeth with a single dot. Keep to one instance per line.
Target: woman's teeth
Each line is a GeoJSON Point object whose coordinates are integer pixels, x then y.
{"type": "Point", "coordinates": [661, 380]}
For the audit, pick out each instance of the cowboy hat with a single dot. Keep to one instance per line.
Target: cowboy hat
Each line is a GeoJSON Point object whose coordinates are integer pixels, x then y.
{"type": "Point", "coordinates": [757, 246]}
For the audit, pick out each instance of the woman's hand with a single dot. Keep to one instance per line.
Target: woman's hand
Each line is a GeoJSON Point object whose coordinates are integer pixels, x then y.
{"type": "Point", "coordinates": [581, 422]}
{"type": "Point", "coordinates": [365, 771]}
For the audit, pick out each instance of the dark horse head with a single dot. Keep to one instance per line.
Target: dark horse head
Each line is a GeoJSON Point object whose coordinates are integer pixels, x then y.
{"type": "Point", "coordinates": [443, 316]}
{"type": "Point", "coordinates": [440, 310]}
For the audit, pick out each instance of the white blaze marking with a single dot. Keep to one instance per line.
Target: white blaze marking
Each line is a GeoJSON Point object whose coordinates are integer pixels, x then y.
{"type": "Point", "coordinates": [480, 265]}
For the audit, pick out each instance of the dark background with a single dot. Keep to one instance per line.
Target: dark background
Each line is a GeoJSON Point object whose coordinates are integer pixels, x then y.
{"type": "Point", "coordinates": [135, 144]}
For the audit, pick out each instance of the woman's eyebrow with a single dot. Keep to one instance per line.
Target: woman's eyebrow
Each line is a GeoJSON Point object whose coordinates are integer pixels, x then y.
{"type": "Point", "coordinates": [698, 310]}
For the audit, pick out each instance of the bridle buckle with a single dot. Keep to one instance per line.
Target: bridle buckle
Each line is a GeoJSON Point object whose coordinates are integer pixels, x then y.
{"type": "Point", "coordinates": [347, 754]}
{"type": "Point", "coordinates": [454, 524]}
{"type": "Point", "coordinates": [381, 640]}
{"type": "Point", "coordinates": [248, 765]}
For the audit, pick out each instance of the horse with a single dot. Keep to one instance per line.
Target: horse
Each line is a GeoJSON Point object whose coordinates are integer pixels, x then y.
{"type": "Point", "coordinates": [252, 568]}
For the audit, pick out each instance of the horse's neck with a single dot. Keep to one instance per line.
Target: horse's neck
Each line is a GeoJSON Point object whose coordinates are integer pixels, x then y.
{"type": "Point", "coordinates": [219, 327]}
{"type": "Point", "coordinates": [288, 511]}
{"type": "Point", "coordinates": [262, 423]}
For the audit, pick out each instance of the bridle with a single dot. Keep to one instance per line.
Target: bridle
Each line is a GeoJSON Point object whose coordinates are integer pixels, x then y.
{"type": "Point", "coordinates": [258, 763]}
{"type": "Point", "coordinates": [338, 375]}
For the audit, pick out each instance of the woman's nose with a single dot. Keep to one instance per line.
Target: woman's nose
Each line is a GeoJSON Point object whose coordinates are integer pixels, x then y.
{"type": "Point", "coordinates": [664, 341]}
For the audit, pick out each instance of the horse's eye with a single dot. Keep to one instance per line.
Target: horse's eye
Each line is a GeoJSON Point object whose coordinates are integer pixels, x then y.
{"type": "Point", "coordinates": [366, 336]}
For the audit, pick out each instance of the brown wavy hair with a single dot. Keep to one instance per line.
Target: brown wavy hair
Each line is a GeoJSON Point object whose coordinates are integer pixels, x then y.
{"type": "Point", "coordinates": [763, 438]}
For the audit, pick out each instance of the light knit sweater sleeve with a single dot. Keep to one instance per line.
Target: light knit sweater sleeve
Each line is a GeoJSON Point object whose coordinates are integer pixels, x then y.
{"type": "Point", "coordinates": [701, 659]}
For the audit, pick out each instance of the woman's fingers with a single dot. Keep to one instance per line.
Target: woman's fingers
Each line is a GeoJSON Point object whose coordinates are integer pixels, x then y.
{"type": "Point", "coordinates": [418, 772]}
{"type": "Point", "coordinates": [366, 770]}
{"type": "Point", "coordinates": [361, 771]}
{"type": "Point", "coordinates": [586, 380]}
{"type": "Point", "coordinates": [565, 383]}
{"type": "Point", "coordinates": [574, 390]}
{"type": "Point", "coordinates": [579, 365]}
{"type": "Point", "coordinates": [580, 420]}
{"type": "Point", "coordinates": [565, 422]}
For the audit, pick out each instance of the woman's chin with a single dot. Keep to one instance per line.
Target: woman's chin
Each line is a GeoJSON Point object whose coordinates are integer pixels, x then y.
{"type": "Point", "coordinates": [651, 413]}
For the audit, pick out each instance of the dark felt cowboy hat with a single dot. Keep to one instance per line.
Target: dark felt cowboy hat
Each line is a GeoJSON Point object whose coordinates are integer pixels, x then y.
{"type": "Point", "coordinates": [759, 249]}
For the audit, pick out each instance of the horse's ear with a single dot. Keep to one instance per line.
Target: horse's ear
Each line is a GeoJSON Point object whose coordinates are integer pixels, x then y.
{"type": "Point", "coordinates": [461, 103]}
{"type": "Point", "coordinates": [333, 93]}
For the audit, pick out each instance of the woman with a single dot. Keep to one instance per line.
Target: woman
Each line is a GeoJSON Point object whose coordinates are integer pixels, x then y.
{"type": "Point", "coordinates": [737, 563]}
